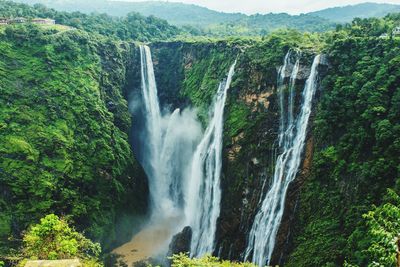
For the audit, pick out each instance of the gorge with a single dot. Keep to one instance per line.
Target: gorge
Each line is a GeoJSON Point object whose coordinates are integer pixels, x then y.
{"type": "Point", "coordinates": [183, 172]}
{"type": "Point", "coordinates": [193, 197]}
{"type": "Point", "coordinates": [280, 150]}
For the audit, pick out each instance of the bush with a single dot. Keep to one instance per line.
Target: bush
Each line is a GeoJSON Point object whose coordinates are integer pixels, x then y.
{"type": "Point", "coordinates": [54, 239]}
{"type": "Point", "coordinates": [383, 231]}
{"type": "Point", "coordinates": [182, 260]}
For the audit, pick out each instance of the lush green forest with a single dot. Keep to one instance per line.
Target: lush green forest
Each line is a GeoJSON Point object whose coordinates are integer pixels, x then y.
{"type": "Point", "coordinates": [194, 19]}
{"type": "Point", "coordinates": [70, 185]}
{"type": "Point", "coordinates": [60, 90]}
{"type": "Point", "coordinates": [364, 10]}
{"type": "Point", "coordinates": [356, 160]}
{"type": "Point", "coordinates": [205, 21]}
{"type": "Point", "coordinates": [133, 26]}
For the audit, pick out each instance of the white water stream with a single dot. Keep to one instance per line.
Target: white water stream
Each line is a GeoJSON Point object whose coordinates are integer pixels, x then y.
{"type": "Point", "coordinates": [204, 193]}
{"type": "Point", "coordinates": [292, 136]}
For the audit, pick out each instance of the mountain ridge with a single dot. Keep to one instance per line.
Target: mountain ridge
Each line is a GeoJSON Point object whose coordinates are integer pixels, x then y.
{"type": "Point", "coordinates": [145, 7]}
{"type": "Point", "coordinates": [364, 10]}
{"type": "Point", "coordinates": [204, 21]}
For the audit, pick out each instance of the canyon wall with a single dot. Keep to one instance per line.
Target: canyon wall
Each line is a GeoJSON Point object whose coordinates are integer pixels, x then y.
{"type": "Point", "coordinates": [188, 74]}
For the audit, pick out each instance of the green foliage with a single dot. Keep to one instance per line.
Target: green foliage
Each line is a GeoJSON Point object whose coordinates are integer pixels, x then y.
{"type": "Point", "coordinates": [63, 148]}
{"type": "Point", "coordinates": [383, 224]}
{"type": "Point", "coordinates": [357, 153]}
{"type": "Point", "coordinates": [132, 26]}
{"type": "Point", "coordinates": [203, 76]}
{"type": "Point", "coordinates": [200, 20]}
{"type": "Point", "coordinates": [363, 10]}
{"type": "Point", "coordinates": [54, 239]}
{"type": "Point", "coordinates": [182, 260]}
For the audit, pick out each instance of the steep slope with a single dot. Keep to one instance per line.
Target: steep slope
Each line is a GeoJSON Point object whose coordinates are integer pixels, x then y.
{"type": "Point", "coordinates": [251, 121]}
{"type": "Point", "coordinates": [350, 157]}
{"type": "Point", "coordinates": [64, 134]}
{"type": "Point", "coordinates": [364, 10]}
{"type": "Point", "coordinates": [64, 126]}
{"type": "Point", "coordinates": [356, 159]}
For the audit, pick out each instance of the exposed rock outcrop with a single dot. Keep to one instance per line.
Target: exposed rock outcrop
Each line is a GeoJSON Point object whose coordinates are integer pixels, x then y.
{"type": "Point", "coordinates": [181, 242]}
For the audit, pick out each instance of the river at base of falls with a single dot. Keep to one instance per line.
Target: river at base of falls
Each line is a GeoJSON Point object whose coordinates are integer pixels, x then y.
{"type": "Point", "coordinates": [151, 241]}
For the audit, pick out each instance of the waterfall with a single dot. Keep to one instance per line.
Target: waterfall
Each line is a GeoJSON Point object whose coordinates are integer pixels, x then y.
{"type": "Point", "coordinates": [183, 166]}
{"type": "Point", "coordinates": [204, 192]}
{"type": "Point", "coordinates": [168, 144]}
{"type": "Point", "coordinates": [292, 137]}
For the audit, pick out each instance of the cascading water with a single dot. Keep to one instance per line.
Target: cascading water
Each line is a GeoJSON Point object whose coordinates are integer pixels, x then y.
{"type": "Point", "coordinates": [204, 193]}
{"type": "Point", "coordinates": [165, 145]}
{"type": "Point", "coordinates": [180, 192]}
{"type": "Point", "coordinates": [168, 144]}
{"type": "Point", "coordinates": [292, 137]}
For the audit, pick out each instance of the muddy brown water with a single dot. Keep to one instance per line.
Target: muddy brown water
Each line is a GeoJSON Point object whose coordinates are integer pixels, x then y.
{"type": "Point", "coordinates": [153, 240]}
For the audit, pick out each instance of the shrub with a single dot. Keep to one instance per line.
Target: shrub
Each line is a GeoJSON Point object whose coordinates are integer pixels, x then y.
{"type": "Point", "coordinates": [53, 239]}
{"type": "Point", "coordinates": [182, 260]}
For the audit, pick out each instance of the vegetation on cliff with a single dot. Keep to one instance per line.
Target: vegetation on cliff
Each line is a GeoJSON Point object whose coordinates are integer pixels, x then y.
{"type": "Point", "coordinates": [355, 131]}
{"type": "Point", "coordinates": [183, 260]}
{"type": "Point", "coordinates": [64, 126]}
{"type": "Point", "coordinates": [63, 133]}
{"type": "Point", "coordinates": [357, 152]}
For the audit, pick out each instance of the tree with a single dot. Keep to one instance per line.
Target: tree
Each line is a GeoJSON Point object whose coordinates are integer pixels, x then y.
{"type": "Point", "coordinates": [53, 239]}
{"type": "Point", "coordinates": [384, 229]}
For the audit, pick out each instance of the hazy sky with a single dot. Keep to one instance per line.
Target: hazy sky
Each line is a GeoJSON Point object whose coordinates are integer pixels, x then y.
{"type": "Point", "coordinates": [266, 6]}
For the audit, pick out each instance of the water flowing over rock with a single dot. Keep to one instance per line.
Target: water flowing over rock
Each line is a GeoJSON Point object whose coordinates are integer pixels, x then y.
{"type": "Point", "coordinates": [169, 142]}
{"type": "Point", "coordinates": [292, 136]}
{"type": "Point", "coordinates": [204, 192]}
{"type": "Point", "coordinates": [183, 168]}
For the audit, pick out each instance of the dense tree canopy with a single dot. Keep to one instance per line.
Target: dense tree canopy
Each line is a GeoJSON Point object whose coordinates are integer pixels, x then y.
{"type": "Point", "coordinates": [357, 132]}
{"type": "Point", "coordinates": [132, 26]}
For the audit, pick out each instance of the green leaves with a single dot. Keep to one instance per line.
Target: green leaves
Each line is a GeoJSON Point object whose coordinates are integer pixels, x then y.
{"type": "Point", "coordinates": [182, 260]}
{"type": "Point", "coordinates": [383, 224]}
{"type": "Point", "coordinates": [53, 239]}
{"type": "Point", "coordinates": [59, 147]}
{"type": "Point", "coordinates": [356, 157]}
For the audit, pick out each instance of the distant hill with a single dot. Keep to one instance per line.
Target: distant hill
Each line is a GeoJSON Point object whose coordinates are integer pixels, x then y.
{"type": "Point", "coordinates": [203, 20]}
{"type": "Point", "coordinates": [134, 26]}
{"type": "Point", "coordinates": [348, 13]}
{"type": "Point", "coordinates": [175, 13]}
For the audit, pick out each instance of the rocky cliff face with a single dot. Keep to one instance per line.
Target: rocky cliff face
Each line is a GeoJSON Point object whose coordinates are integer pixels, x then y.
{"type": "Point", "coordinates": [188, 74]}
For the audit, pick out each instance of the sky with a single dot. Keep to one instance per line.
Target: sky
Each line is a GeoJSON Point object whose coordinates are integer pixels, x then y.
{"type": "Point", "coordinates": [266, 6]}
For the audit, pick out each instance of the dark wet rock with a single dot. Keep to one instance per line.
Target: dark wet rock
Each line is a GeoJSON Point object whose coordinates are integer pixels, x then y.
{"type": "Point", "coordinates": [181, 242]}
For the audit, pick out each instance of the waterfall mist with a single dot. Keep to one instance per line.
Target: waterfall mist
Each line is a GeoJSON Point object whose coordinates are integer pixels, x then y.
{"type": "Point", "coordinates": [182, 163]}
{"type": "Point", "coordinates": [164, 142]}
{"type": "Point", "coordinates": [292, 136]}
